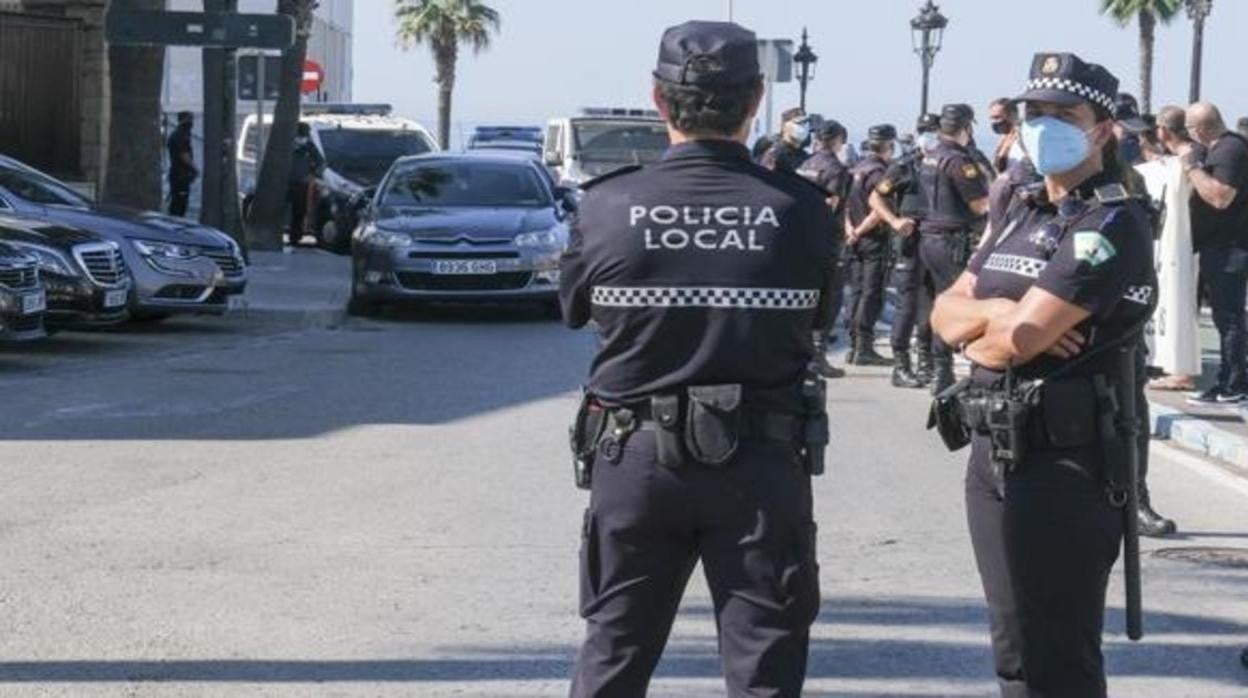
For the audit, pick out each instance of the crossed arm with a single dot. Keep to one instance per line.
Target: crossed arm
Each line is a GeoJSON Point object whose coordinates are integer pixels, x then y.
{"type": "Point", "coordinates": [999, 333]}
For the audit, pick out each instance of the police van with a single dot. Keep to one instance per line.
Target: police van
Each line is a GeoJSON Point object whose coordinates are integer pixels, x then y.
{"type": "Point", "coordinates": [580, 148]}
{"type": "Point", "coordinates": [359, 142]}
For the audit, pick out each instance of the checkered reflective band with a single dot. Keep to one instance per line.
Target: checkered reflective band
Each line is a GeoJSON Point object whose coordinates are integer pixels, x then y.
{"type": "Point", "coordinates": [1142, 295]}
{"type": "Point", "coordinates": [705, 297]}
{"type": "Point", "coordinates": [1076, 88]}
{"type": "Point", "coordinates": [1016, 264]}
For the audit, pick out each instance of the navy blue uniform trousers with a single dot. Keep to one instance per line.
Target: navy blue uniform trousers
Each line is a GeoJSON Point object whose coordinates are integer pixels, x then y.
{"type": "Point", "coordinates": [647, 526]}
{"type": "Point", "coordinates": [1046, 538]}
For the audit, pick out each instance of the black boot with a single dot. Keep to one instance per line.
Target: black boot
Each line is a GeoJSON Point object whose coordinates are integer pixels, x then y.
{"type": "Point", "coordinates": [820, 363]}
{"type": "Point", "coordinates": [903, 376]}
{"type": "Point", "coordinates": [1153, 524]}
{"type": "Point", "coordinates": [923, 372]}
{"type": "Point", "coordinates": [942, 376]}
{"type": "Point", "coordinates": [866, 354]}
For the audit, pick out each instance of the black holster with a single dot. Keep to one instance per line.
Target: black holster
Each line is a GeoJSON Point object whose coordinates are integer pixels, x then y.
{"type": "Point", "coordinates": [815, 432]}
{"type": "Point", "coordinates": [713, 424]}
{"type": "Point", "coordinates": [586, 430]}
{"type": "Point", "coordinates": [948, 418]}
{"type": "Point", "coordinates": [669, 449]}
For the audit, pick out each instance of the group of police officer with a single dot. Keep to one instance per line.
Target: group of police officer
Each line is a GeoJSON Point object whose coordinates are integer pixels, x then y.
{"type": "Point", "coordinates": [914, 206]}
{"type": "Point", "coordinates": [702, 421]}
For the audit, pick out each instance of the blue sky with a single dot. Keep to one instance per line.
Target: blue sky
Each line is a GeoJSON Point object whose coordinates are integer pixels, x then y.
{"type": "Point", "coordinates": [556, 56]}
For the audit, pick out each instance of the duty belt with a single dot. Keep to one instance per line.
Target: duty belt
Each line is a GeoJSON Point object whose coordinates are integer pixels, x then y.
{"type": "Point", "coordinates": [760, 426]}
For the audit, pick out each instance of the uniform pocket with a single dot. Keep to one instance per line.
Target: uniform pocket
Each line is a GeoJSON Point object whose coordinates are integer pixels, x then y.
{"type": "Point", "coordinates": [591, 564]}
{"type": "Point", "coordinates": [713, 425]}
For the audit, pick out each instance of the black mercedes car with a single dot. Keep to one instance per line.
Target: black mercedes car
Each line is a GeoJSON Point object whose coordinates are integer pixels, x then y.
{"type": "Point", "coordinates": [22, 298]}
{"type": "Point", "coordinates": [85, 276]}
{"type": "Point", "coordinates": [461, 227]}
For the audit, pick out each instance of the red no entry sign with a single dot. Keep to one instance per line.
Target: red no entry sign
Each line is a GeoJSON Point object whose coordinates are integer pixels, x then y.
{"type": "Point", "coordinates": [313, 76]}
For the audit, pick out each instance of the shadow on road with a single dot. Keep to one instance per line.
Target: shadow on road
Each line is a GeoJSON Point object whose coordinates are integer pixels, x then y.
{"type": "Point", "coordinates": [695, 657]}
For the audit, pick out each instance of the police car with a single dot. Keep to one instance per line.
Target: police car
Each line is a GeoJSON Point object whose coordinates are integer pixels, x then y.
{"type": "Point", "coordinates": [580, 148]}
{"type": "Point", "coordinates": [359, 141]}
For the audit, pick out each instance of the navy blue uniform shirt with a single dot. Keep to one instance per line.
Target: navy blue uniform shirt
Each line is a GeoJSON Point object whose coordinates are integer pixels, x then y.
{"type": "Point", "coordinates": [702, 269]}
{"type": "Point", "coordinates": [1098, 257]}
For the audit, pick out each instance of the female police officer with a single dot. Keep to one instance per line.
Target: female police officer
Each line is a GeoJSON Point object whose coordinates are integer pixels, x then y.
{"type": "Point", "coordinates": [1046, 311]}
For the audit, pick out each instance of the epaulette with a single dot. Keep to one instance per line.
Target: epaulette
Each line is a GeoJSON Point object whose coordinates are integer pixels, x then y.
{"type": "Point", "coordinates": [1112, 194]}
{"type": "Point", "coordinates": [627, 169]}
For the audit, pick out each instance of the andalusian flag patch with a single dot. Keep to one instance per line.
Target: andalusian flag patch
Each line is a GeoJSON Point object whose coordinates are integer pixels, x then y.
{"type": "Point", "coordinates": [1093, 248]}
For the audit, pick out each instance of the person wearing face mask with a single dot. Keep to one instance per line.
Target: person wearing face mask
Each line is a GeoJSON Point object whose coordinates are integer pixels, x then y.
{"type": "Point", "coordinates": [957, 187]}
{"type": "Point", "coordinates": [1218, 172]}
{"type": "Point", "coordinates": [1003, 119]}
{"type": "Point", "coordinates": [866, 238]}
{"type": "Point", "coordinates": [900, 201]}
{"type": "Point", "coordinates": [303, 194]}
{"type": "Point", "coordinates": [1050, 311]}
{"type": "Point", "coordinates": [789, 152]}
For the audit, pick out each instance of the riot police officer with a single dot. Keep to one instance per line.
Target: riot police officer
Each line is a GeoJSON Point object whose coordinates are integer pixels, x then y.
{"type": "Point", "coordinates": [706, 275]}
{"type": "Point", "coordinates": [903, 205]}
{"type": "Point", "coordinates": [957, 187]}
{"type": "Point", "coordinates": [825, 170]}
{"type": "Point", "coordinates": [789, 151]}
{"type": "Point", "coordinates": [1050, 311]}
{"type": "Point", "coordinates": [866, 241]}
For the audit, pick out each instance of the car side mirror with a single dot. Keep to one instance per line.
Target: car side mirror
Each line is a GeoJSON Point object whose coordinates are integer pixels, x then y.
{"type": "Point", "coordinates": [363, 200]}
{"type": "Point", "coordinates": [567, 199]}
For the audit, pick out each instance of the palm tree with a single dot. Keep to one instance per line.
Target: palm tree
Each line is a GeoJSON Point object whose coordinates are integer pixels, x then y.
{"type": "Point", "coordinates": [264, 220]}
{"type": "Point", "coordinates": [135, 76]}
{"type": "Point", "coordinates": [444, 25]}
{"type": "Point", "coordinates": [1198, 11]}
{"type": "Point", "coordinates": [1148, 13]}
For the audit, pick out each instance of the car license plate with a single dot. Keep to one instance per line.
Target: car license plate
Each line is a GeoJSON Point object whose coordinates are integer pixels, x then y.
{"type": "Point", "coordinates": [115, 299]}
{"type": "Point", "coordinates": [463, 266]}
{"type": "Point", "coordinates": [34, 303]}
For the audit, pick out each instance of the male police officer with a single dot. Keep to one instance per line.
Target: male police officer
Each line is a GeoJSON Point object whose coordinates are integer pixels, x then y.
{"type": "Point", "coordinates": [705, 275]}
{"type": "Point", "coordinates": [789, 151]}
{"type": "Point", "coordinates": [900, 201]}
{"type": "Point", "coordinates": [957, 187]}
{"type": "Point", "coordinates": [825, 170]}
{"type": "Point", "coordinates": [866, 236]}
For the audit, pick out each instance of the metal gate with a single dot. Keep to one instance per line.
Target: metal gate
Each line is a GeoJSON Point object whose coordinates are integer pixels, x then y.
{"type": "Point", "coordinates": [40, 99]}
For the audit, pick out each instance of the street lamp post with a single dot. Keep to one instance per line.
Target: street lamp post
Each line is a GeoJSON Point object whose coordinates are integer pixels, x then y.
{"type": "Point", "coordinates": [1197, 10]}
{"type": "Point", "coordinates": [807, 59]}
{"type": "Point", "coordinates": [926, 33]}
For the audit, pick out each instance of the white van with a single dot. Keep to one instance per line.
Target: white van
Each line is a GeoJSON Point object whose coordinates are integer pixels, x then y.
{"type": "Point", "coordinates": [580, 148]}
{"type": "Point", "coordinates": [359, 142]}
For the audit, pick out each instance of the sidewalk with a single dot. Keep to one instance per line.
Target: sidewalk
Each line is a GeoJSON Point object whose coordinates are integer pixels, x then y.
{"type": "Point", "coordinates": [303, 288]}
{"type": "Point", "coordinates": [1219, 432]}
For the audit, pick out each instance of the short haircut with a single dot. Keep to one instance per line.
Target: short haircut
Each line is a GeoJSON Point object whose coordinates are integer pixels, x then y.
{"type": "Point", "coordinates": [1009, 105]}
{"type": "Point", "coordinates": [719, 111]}
{"type": "Point", "coordinates": [1173, 119]}
{"type": "Point", "coordinates": [185, 116]}
{"type": "Point", "coordinates": [303, 129]}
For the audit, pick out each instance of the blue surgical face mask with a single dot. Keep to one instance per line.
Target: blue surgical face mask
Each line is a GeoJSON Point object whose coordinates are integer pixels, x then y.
{"type": "Point", "coordinates": [1053, 145]}
{"type": "Point", "coordinates": [799, 131]}
{"type": "Point", "coordinates": [927, 142]}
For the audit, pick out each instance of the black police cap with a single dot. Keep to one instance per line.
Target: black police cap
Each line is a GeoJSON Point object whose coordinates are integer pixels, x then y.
{"type": "Point", "coordinates": [1064, 78]}
{"type": "Point", "coordinates": [927, 123]}
{"type": "Point", "coordinates": [708, 54]}
{"type": "Point", "coordinates": [1127, 113]}
{"type": "Point", "coordinates": [832, 128]}
{"type": "Point", "coordinates": [955, 117]}
{"type": "Point", "coordinates": [881, 133]}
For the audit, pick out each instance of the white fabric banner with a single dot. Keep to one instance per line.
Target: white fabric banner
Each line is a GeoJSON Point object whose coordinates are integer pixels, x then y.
{"type": "Point", "coordinates": [1174, 334]}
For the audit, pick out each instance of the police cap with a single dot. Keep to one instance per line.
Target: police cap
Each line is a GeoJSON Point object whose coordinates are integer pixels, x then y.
{"type": "Point", "coordinates": [927, 123]}
{"type": "Point", "coordinates": [832, 128]}
{"type": "Point", "coordinates": [1063, 78]}
{"type": "Point", "coordinates": [955, 117]}
{"type": "Point", "coordinates": [881, 133]}
{"type": "Point", "coordinates": [708, 54]}
{"type": "Point", "coordinates": [1127, 113]}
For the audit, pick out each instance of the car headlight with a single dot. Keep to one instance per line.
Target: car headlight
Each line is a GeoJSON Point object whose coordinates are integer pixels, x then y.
{"type": "Point", "coordinates": [387, 238]}
{"type": "Point", "coordinates": [541, 238]}
{"type": "Point", "coordinates": [151, 248]}
{"type": "Point", "coordinates": [48, 259]}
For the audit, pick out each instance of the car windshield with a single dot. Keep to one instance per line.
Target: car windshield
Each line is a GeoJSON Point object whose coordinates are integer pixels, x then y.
{"type": "Point", "coordinates": [368, 150]}
{"type": "Point", "coordinates": [615, 143]}
{"type": "Point", "coordinates": [466, 184]}
{"type": "Point", "coordinates": [38, 188]}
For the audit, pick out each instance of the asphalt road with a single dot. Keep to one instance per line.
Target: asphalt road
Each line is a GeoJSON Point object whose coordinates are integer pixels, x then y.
{"type": "Point", "coordinates": [221, 509]}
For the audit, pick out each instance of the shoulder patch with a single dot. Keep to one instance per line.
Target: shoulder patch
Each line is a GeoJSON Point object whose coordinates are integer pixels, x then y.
{"type": "Point", "coordinates": [971, 171]}
{"type": "Point", "coordinates": [885, 187]}
{"type": "Point", "coordinates": [627, 169]}
{"type": "Point", "coordinates": [1093, 248]}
